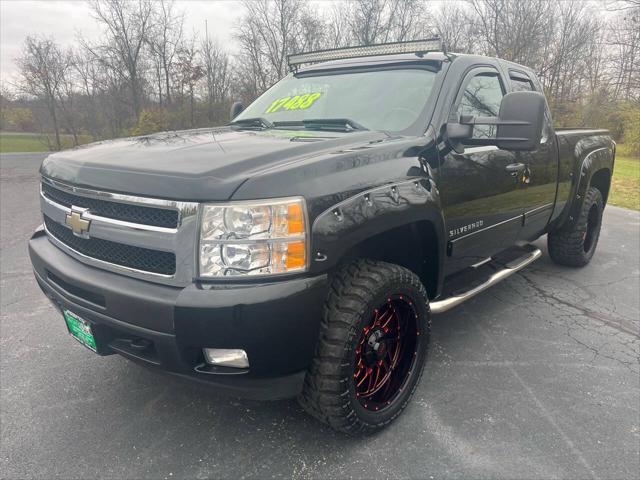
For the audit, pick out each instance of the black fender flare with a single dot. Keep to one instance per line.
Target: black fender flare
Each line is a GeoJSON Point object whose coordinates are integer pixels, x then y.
{"type": "Point", "coordinates": [601, 158]}
{"type": "Point", "coordinates": [343, 226]}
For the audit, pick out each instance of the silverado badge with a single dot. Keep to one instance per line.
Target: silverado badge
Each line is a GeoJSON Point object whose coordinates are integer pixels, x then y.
{"type": "Point", "coordinates": [74, 220]}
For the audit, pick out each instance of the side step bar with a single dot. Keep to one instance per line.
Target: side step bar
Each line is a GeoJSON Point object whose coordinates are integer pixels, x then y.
{"type": "Point", "coordinates": [441, 306]}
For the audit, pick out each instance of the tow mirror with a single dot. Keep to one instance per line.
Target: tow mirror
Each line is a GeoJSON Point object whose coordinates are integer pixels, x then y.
{"type": "Point", "coordinates": [236, 109]}
{"type": "Point", "coordinates": [521, 120]}
{"type": "Point", "coordinates": [519, 124]}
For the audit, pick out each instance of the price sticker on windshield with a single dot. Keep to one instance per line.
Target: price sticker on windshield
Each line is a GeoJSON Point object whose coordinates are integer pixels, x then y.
{"type": "Point", "coordinates": [297, 102]}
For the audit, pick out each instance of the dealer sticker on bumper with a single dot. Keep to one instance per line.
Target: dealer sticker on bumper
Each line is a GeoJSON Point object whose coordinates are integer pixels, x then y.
{"type": "Point", "coordinates": [80, 329]}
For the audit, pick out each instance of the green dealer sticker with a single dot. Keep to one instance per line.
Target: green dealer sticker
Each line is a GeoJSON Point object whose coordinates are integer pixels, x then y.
{"type": "Point", "coordinates": [80, 329]}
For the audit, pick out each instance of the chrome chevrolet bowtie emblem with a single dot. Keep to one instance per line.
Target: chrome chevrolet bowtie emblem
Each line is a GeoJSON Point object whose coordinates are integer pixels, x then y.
{"type": "Point", "coordinates": [78, 225]}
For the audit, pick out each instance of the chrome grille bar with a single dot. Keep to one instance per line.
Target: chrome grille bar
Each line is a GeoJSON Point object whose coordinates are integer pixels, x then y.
{"type": "Point", "coordinates": [180, 240]}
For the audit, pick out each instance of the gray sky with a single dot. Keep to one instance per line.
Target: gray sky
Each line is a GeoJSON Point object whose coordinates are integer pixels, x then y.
{"type": "Point", "coordinates": [63, 20]}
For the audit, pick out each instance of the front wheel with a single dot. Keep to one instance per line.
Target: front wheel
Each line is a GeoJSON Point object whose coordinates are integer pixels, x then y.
{"type": "Point", "coordinates": [575, 245]}
{"type": "Point", "coordinates": [372, 347]}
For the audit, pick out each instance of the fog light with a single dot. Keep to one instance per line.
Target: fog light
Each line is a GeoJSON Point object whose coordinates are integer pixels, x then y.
{"type": "Point", "coordinates": [226, 357]}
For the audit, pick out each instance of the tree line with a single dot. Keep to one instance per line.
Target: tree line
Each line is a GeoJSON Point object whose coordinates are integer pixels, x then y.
{"type": "Point", "coordinates": [147, 73]}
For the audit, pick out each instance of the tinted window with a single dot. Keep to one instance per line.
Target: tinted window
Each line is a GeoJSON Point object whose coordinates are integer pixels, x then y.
{"type": "Point", "coordinates": [521, 85]}
{"type": "Point", "coordinates": [481, 98]}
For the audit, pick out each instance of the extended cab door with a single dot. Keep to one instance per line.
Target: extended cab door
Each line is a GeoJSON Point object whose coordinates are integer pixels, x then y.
{"type": "Point", "coordinates": [539, 178]}
{"type": "Point", "coordinates": [480, 189]}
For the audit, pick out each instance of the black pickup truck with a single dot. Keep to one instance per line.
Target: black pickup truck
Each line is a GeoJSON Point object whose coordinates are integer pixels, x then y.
{"type": "Point", "coordinates": [302, 249]}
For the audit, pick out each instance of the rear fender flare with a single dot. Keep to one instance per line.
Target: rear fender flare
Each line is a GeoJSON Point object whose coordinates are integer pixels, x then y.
{"type": "Point", "coordinates": [596, 160]}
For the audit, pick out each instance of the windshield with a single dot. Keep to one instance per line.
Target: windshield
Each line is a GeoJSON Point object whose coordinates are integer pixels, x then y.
{"type": "Point", "coordinates": [389, 100]}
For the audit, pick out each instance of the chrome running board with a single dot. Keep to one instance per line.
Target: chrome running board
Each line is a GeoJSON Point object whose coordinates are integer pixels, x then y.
{"type": "Point", "coordinates": [441, 306]}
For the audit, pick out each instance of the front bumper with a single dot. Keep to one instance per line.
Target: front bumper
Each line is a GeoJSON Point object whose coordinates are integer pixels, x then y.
{"type": "Point", "coordinates": [166, 327]}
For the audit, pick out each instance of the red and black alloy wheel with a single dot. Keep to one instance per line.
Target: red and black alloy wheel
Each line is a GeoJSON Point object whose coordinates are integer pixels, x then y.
{"type": "Point", "coordinates": [372, 347]}
{"type": "Point", "coordinates": [386, 353]}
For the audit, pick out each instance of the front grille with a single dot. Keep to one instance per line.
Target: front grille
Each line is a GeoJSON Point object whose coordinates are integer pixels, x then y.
{"type": "Point", "coordinates": [158, 217]}
{"type": "Point", "coordinates": [143, 259]}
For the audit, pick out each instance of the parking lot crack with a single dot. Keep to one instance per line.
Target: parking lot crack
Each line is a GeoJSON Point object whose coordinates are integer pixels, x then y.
{"type": "Point", "coordinates": [550, 299]}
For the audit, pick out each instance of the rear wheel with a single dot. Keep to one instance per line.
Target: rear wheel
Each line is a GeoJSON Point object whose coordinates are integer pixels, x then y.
{"type": "Point", "coordinates": [574, 246]}
{"type": "Point", "coordinates": [372, 347]}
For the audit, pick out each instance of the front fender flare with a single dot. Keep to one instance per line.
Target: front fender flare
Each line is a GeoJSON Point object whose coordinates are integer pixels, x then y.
{"type": "Point", "coordinates": [371, 212]}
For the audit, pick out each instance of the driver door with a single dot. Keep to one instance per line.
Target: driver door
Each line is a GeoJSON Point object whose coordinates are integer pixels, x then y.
{"type": "Point", "coordinates": [479, 188]}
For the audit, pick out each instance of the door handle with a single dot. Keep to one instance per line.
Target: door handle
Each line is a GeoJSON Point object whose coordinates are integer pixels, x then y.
{"type": "Point", "coordinates": [515, 168]}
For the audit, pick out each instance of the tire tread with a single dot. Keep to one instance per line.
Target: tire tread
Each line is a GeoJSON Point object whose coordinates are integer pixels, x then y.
{"type": "Point", "coordinates": [566, 246]}
{"type": "Point", "coordinates": [325, 394]}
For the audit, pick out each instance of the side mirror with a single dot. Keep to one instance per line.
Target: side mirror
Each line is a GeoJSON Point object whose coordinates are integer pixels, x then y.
{"type": "Point", "coordinates": [236, 109]}
{"type": "Point", "coordinates": [521, 120]}
{"type": "Point", "coordinates": [519, 124]}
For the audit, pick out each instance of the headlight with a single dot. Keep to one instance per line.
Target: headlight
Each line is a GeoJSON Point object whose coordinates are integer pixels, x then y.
{"type": "Point", "coordinates": [253, 238]}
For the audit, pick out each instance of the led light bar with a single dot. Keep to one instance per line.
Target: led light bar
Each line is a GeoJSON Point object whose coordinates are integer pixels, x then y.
{"type": "Point", "coordinates": [415, 46]}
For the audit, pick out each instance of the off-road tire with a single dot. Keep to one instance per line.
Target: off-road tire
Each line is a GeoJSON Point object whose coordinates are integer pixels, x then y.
{"type": "Point", "coordinates": [575, 244]}
{"type": "Point", "coordinates": [329, 392]}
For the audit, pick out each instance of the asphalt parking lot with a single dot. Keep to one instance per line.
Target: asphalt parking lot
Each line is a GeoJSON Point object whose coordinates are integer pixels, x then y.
{"type": "Point", "coordinates": [538, 377]}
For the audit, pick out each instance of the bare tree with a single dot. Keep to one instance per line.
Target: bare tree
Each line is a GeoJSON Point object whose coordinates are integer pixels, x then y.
{"type": "Point", "coordinates": [127, 24]}
{"type": "Point", "coordinates": [457, 28]}
{"type": "Point", "coordinates": [512, 29]}
{"type": "Point", "coordinates": [87, 75]}
{"type": "Point", "coordinates": [252, 73]}
{"type": "Point", "coordinates": [165, 36]}
{"type": "Point", "coordinates": [42, 70]}
{"type": "Point", "coordinates": [381, 21]}
{"type": "Point", "coordinates": [570, 37]}
{"type": "Point", "coordinates": [276, 24]}
{"type": "Point", "coordinates": [595, 59]}
{"type": "Point", "coordinates": [67, 97]}
{"type": "Point", "coordinates": [188, 73]}
{"type": "Point", "coordinates": [114, 100]}
{"type": "Point", "coordinates": [370, 21]}
{"type": "Point", "coordinates": [407, 22]}
{"type": "Point", "coordinates": [621, 5]}
{"type": "Point", "coordinates": [625, 40]}
{"type": "Point", "coordinates": [312, 31]}
{"type": "Point", "coordinates": [270, 31]}
{"type": "Point", "coordinates": [337, 31]}
{"type": "Point", "coordinates": [217, 73]}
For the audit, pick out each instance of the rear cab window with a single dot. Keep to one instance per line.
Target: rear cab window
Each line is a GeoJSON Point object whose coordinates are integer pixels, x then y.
{"type": "Point", "coordinates": [522, 82]}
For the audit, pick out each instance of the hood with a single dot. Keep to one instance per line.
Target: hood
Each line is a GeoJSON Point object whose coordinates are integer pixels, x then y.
{"type": "Point", "coordinates": [204, 164]}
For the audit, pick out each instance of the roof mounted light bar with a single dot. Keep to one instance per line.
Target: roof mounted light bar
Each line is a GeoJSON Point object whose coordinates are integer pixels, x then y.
{"type": "Point", "coordinates": [414, 46]}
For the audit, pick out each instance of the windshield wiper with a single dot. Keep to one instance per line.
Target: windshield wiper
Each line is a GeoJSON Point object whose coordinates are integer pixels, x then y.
{"type": "Point", "coordinates": [257, 122]}
{"type": "Point", "coordinates": [330, 124]}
